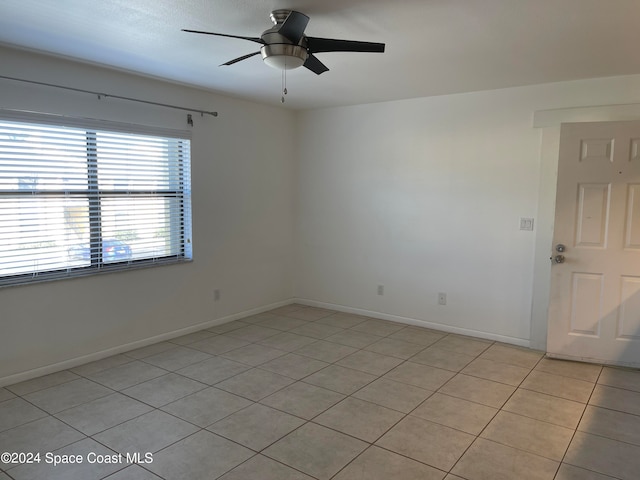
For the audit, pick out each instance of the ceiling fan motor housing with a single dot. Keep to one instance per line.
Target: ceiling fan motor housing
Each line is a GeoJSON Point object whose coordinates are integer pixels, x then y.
{"type": "Point", "coordinates": [278, 51]}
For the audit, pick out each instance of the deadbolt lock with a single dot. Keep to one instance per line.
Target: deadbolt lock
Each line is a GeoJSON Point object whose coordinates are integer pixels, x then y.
{"type": "Point", "coordinates": [560, 248]}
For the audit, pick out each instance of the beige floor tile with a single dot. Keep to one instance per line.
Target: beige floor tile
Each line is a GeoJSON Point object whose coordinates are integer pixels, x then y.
{"type": "Point", "coordinates": [303, 400]}
{"type": "Point", "coordinates": [611, 424]}
{"type": "Point", "coordinates": [201, 456]}
{"type": "Point", "coordinates": [456, 413]}
{"type": "Point", "coordinates": [253, 354]}
{"type": "Point", "coordinates": [70, 471]}
{"type": "Point", "coordinates": [293, 307]}
{"type": "Point", "coordinates": [287, 341]}
{"type": "Point", "coordinates": [382, 328]}
{"type": "Point", "coordinates": [325, 351]}
{"type": "Point", "coordinates": [213, 370]}
{"type": "Point", "coordinates": [294, 366]}
{"type": "Point", "coordinates": [177, 358]}
{"type": "Point", "coordinates": [466, 345]}
{"type": "Point", "coordinates": [6, 394]}
{"type": "Point", "coordinates": [43, 382]}
{"type": "Point", "coordinates": [206, 406]}
{"type": "Point", "coordinates": [395, 395]}
{"type": "Point", "coordinates": [478, 390]}
{"type": "Point", "coordinates": [498, 372]}
{"type": "Point", "coordinates": [67, 395]}
{"type": "Point", "coordinates": [103, 364]}
{"type": "Point", "coordinates": [163, 390]}
{"type": "Point", "coordinates": [569, 472]}
{"type": "Point", "coordinates": [581, 371]}
{"type": "Point", "coordinates": [378, 464]}
{"type": "Point", "coordinates": [43, 435]}
{"type": "Point", "coordinates": [263, 468]}
{"type": "Point", "coordinates": [150, 432]}
{"type": "Point", "coordinates": [343, 320]}
{"type": "Point", "coordinates": [103, 413]}
{"type": "Point", "coordinates": [219, 344]}
{"type": "Point", "coordinates": [310, 313]}
{"type": "Point", "coordinates": [332, 450]}
{"type": "Point", "coordinates": [559, 386]}
{"type": "Point", "coordinates": [511, 355]}
{"type": "Point", "coordinates": [442, 358]}
{"type": "Point", "coordinates": [605, 456]}
{"type": "Point", "coordinates": [227, 327]}
{"type": "Point", "coordinates": [364, 420]}
{"type": "Point", "coordinates": [282, 323]}
{"type": "Point", "coordinates": [423, 376]}
{"type": "Point", "coordinates": [258, 318]}
{"type": "Point", "coordinates": [253, 333]}
{"type": "Point", "coordinates": [127, 375]}
{"type": "Point", "coordinates": [395, 348]}
{"type": "Point", "coordinates": [256, 426]}
{"type": "Point", "coordinates": [316, 330]}
{"type": "Point", "coordinates": [524, 433]}
{"type": "Point", "coordinates": [616, 399]}
{"type": "Point", "coordinates": [369, 362]}
{"type": "Point", "coordinates": [191, 337]}
{"type": "Point", "coordinates": [420, 336]}
{"type": "Point", "coordinates": [621, 378]}
{"type": "Point", "coordinates": [427, 442]}
{"type": "Point", "coordinates": [353, 338]}
{"type": "Point", "coordinates": [487, 460]}
{"type": "Point", "coordinates": [153, 349]}
{"type": "Point", "coordinates": [548, 408]}
{"type": "Point", "coordinates": [16, 412]}
{"type": "Point", "coordinates": [340, 379]}
{"type": "Point", "coordinates": [255, 384]}
{"type": "Point", "coordinates": [133, 472]}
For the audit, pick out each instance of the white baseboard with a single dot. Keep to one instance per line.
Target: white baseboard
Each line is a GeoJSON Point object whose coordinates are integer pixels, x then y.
{"type": "Point", "coordinates": [92, 357]}
{"type": "Point", "coordinates": [521, 342]}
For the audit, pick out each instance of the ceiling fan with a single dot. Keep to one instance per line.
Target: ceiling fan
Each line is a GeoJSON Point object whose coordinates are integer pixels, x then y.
{"type": "Point", "coordinates": [285, 46]}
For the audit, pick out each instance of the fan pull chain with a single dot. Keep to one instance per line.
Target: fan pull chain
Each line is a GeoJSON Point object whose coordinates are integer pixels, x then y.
{"type": "Point", "coordinates": [284, 83]}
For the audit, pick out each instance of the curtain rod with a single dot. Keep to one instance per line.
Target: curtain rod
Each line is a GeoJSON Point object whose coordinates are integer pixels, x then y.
{"type": "Point", "coordinates": [108, 95]}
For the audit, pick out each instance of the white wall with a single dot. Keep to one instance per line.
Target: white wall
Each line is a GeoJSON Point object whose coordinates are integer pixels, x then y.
{"type": "Point", "coordinates": [425, 196]}
{"type": "Point", "coordinates": [242, 165]}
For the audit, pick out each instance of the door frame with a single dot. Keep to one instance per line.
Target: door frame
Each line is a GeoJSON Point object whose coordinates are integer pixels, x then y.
{"type": "Point", "coordinates": [548, 123]}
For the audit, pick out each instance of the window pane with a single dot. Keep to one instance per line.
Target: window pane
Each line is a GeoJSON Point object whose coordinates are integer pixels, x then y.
{"type": "Point", "coordinates": [138, 227]}
{"type": "Point", "coordinates": [135, 162]}
{"type": "Point", "coordinates": [42, 157]}
{"type": "Point", "coordinates": [38, 234]}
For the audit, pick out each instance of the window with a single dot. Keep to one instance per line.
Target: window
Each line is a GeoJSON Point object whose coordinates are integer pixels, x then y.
{"type": "Point", "coordinates": [76, 199]}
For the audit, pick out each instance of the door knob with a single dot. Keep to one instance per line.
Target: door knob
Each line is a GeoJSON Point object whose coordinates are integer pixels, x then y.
{"type": "Point", "coordinates": [560, 248]}
{"type": "Point", "coordinates": [558, 259]}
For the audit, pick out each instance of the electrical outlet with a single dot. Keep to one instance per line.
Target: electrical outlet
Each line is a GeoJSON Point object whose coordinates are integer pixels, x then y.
{"type": "Point", "coordinates": [216, 295]}
{"type": "Point", "coordinates": [380, 289]}
{"type": "Point", "coordinates": [442, 298]}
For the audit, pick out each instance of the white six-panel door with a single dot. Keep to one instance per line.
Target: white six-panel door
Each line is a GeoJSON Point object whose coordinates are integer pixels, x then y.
{"type": "Point", "coordinates": [594, 310]}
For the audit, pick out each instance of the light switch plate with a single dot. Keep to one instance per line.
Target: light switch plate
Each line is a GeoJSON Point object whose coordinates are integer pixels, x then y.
{"type": "Point", "coordinates": [526, 224]}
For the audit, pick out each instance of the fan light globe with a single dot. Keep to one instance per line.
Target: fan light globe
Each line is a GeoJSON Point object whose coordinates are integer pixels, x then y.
{"type": "Point", "coordinates": [284, 57]}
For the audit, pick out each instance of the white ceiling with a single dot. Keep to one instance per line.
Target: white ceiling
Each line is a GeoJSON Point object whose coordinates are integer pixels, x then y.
{"type": "Point", "coordinates": [434, 47]}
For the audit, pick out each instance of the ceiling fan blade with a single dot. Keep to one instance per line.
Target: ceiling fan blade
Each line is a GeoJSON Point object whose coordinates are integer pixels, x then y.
{"type": "Point", "coordinates": [315, 65]}
{"type": "Point", "coordinates": [251, 39]}
{"type": "Point", "coordinates": [239, 59]}
{"type": "Point", "coordinates": [318, 45]}
{"type": "Point", "coordinates": [293, 26]}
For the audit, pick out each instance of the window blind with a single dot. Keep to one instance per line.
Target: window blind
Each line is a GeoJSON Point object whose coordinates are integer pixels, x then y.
{"type": "Point", "coordinates": [81, 200]}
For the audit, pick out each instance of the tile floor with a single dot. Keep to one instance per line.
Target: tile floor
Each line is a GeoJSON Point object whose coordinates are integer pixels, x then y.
{"type": "Point", "coordinates": [302, 393]}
